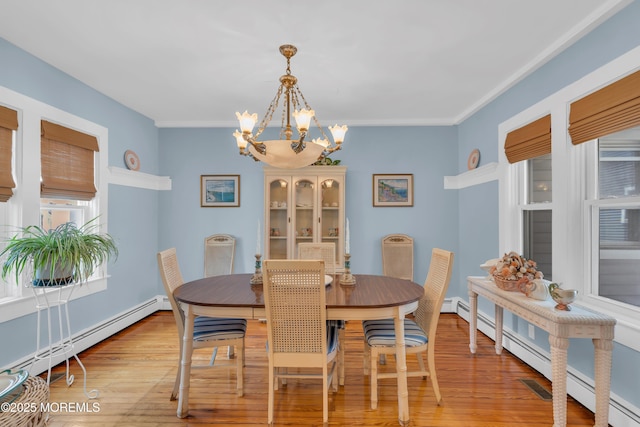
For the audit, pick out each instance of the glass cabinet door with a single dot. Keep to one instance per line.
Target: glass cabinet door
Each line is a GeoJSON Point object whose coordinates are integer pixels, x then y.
{"type": "Point", "coordinates": [330, 212]}
{"type": "Point", "coordinates": [278, 219]}
{"type": "Point", "coordinates": [304, 214]}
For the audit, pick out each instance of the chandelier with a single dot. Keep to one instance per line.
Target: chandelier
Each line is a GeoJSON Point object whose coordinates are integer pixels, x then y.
{"type": "Point", "coordinates": [287, 153]}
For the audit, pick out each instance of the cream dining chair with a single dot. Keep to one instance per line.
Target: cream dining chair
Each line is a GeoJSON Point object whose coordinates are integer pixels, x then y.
{"type": "Point", "coordinates": [397, 256]}
{"type": "Point", "coordinates": [420, 335]}
{"type": "Point", "coordinates": [326, 251]}
{"type": "Point", "coordinates": [219, 251]}
{"type": "Point", "coordinates": [297, 332]}
{"type": "Point", "coordinates": [208, 332]}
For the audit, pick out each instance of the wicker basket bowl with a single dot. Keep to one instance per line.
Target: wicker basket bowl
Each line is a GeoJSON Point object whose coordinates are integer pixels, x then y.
{"type": "Point", "coordinates": [507, 285]}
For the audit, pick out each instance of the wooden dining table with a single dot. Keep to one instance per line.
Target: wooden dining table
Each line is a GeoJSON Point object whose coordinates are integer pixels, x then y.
{"type": "Point", "coordinates": [372, 297]}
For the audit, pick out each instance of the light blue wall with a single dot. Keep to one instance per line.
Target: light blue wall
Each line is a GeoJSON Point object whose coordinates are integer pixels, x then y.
{"type": "Point", "coordinates": [465, 221]}
{"type": "Point", "coordinates": [429, 153]}
{"type": "Point", "coordinates": [133, 217]}
{"type": "Point", "coordinates": [478, 205]}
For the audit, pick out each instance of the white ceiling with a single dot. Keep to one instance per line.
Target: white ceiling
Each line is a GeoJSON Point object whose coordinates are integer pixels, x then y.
{"type": "Point", "coordinates": [359, 62]}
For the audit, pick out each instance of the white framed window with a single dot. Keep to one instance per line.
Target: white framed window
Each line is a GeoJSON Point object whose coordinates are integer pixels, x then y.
{"type": "Point", "coordinates": [26, 206]}
{"type": "Point", "coordinates": [612, 209]}
{"type": "Point", "coordinates": [536, 213]}
{"type": "Point", "coordinates": [595, 207]}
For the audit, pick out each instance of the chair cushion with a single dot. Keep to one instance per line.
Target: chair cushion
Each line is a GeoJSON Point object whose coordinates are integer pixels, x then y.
{"type": "Point", "coordinates": [208, 328]}
{"type": "Point", "coordinates": [382, 333]}
{"type": "Point", "coordinates": [332, 338]}
{"type": "Point", "coordinates": [338, 323]}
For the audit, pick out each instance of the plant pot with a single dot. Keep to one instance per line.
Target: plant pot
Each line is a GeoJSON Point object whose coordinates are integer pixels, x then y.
{"type": "Point", "coordinates": [62, 275]}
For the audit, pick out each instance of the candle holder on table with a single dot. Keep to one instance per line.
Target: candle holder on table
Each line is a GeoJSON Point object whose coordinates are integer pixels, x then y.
{"type": "Point", "coordinates": [347, 277]}
{"type": "Point", "coordinates": [256, 279]}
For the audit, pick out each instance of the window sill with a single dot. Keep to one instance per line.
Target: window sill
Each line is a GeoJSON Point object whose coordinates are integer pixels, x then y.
{"type": "Point", "coordinates": [627, 331]}
{"type": "Point", "coordinates": [12, 308]}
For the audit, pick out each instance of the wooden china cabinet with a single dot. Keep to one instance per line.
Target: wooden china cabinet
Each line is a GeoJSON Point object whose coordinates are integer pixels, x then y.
{"type": "Point", "coordinates": [303, 205]}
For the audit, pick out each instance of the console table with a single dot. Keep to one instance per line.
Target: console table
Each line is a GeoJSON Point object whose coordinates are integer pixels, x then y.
{"type": "Point", "coordinates": [561, 325]}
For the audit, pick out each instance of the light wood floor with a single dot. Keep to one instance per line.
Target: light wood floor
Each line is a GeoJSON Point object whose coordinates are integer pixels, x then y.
{"type": "Point", "coordinates": [135, 370]}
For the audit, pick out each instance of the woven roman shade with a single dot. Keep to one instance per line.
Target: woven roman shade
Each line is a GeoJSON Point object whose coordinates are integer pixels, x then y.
{"type": "Point", "coordinates": [611, 109]}
{"type": "Point", "coordinates": [8, 124]}
{"type": "Point", "coordinates": [529, 141]}
{"type": "Point", "coordinates": [67, 163]}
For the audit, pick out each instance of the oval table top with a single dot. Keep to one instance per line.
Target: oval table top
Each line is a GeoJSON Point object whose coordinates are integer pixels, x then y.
{"type": "Point", "coordinates": [235, 290]}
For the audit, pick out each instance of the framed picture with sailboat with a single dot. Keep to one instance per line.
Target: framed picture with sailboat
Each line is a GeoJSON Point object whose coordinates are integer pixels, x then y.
{"type": "Point", "coordinates": [219, 191]}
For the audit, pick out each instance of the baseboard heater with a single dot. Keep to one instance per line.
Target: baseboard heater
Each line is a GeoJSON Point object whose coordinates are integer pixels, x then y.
{"type": "Point", "coordinates": [88, 337]}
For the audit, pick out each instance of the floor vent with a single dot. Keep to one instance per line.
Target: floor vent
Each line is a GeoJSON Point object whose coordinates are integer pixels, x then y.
{"type": "Point", "coordinates": [535, 387]}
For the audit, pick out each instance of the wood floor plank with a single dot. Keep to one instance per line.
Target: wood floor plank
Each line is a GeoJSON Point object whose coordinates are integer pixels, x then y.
{"type": "Point", "coordinates": [134, 372]}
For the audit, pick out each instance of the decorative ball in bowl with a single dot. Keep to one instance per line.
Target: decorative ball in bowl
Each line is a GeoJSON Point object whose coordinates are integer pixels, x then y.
{"type": "Point", "coordinates": [563, 297]}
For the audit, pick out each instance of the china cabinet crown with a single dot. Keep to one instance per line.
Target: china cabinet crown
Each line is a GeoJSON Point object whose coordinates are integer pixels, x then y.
{"type": "Point", "coordinates": [304, 205]}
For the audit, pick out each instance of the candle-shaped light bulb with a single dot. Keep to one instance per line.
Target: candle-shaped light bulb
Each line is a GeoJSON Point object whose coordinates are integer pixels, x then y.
{"type": "Point", "coordinates": [346, 239]}
{"type": "Point", "coordinates": [258, 240]}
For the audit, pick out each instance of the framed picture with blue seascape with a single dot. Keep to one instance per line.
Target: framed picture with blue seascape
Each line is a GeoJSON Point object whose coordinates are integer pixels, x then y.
{"type": "Point", "coordinates": [392, 190]}
{"type": "Point", "coordinates": [219, 191]}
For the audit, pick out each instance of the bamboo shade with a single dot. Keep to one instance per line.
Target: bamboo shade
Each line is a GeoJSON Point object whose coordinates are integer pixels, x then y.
{"type": "Point", "coordinates": [529, 141]}
{"type": "Point", "coordinates": [67, 158]}
{"type": "Point", "coordinates": [611, 109]}
{"type": "Point", "coordinates": [8, 124]}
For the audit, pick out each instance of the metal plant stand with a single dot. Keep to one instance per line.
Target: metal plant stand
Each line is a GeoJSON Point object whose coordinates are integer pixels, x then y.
{"type": "Point", "coordinates": [49, 298]}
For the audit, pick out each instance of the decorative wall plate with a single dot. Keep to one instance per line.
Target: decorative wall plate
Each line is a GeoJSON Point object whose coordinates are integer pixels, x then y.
{"type": "Point", "coordinates": [131, 160]}
{"type": "Point", "coordinates": [474, 159]}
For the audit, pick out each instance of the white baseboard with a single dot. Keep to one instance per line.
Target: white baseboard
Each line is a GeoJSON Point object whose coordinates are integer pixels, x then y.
{"type": "Point", "coordinates": [579, 386]}
{"type": "Point", "coordinates": [90, 336]}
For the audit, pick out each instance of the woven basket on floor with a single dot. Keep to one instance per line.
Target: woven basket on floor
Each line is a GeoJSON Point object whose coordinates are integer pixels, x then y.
{"type": "Point", "coordinates": [34, 396]}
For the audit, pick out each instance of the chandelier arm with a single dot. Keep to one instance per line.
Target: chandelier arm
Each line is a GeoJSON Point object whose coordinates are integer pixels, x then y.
{"type": "Point", "coordinates": [299, 145]}
{"type": "Point", "coordinates": [333, 148]}
{"type": "Point", "coordinates": [258, 146]}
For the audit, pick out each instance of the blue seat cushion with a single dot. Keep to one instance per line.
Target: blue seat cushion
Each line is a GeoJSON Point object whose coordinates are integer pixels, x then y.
{"type": "Point", "coordinates": [332, 338]}
{"type": "Point", "coordinates": [339, 323]}
{"type": "Point", "coordinates": [207, 328]}
{"type": "Point", "coordinates": [382, 333]}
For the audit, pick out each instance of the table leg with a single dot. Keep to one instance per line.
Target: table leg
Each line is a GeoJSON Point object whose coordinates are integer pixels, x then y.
{"type": "Point", "coordinates": [499, 318]}
{"type": "Point", "coordinates": [401, 369]}
{"type": "Point", "coordinates": [559, 348]}
{"type": "Point", "coordinates": [603, 354]}
{"type": "Point", "coordinates": [185, 363]}
{"type": "Point", "coordinates": [473, 321]}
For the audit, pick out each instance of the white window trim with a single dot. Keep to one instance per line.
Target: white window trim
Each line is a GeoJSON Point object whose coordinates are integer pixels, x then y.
{"type": "Point", "coordinates": [571, 266]}
{"type": "Point", "coordinates": [24, 207]}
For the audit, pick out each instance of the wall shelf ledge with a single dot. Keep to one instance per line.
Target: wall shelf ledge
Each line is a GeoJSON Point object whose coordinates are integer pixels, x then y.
{"type": "Point", "coordinates": [121, 176]}
{"type": "Point", "coordinates": [485, 173]}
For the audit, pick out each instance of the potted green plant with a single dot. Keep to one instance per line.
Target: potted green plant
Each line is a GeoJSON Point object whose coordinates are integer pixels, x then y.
{"type": "Point", "coordinates": [58, 256]}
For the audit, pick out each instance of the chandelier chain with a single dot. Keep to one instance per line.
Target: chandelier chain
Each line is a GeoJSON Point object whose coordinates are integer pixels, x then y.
{"type": "Point", "coordinates": [315, 119]}
{"type": "Point", "coordinates": [269, 114]}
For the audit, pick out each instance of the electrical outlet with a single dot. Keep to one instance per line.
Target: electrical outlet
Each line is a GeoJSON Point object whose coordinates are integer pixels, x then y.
{"type": "Point", "coordinates": [532, 331]}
